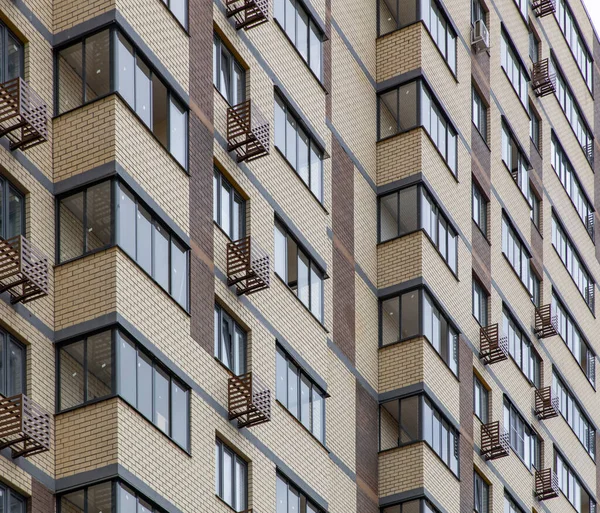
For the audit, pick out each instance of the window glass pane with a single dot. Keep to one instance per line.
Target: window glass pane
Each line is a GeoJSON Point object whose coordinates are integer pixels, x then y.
{"type": "Point", "coordinates": [125, 70]}
{"type": "Point", "coordinates": [71, 375]}
{"type": "Point", "coordinates": [408, 210]}
{"type": "Point", "coordinates": [179, 9]}
{"type": "Point", "coordinates": [388, 114]}
{"type": "Point", "coordinates": [226, 193]}
{"type": "Point", "coordinates": [281, 383]}
{"type": "Point", "coordinates": [290, 139]}
{"type": "Point", "coordinates": [302, 32]}
{"type": "Point", "coordinates": [225, 76]}
{"type": "Point", "coordinates": [161, 256]}
{"type": "Point", "coordinates": [98, 210]}
{"type": "Point", "coordinates": [281, 496]}
{"type": "Point", "coordinates": [16, 209]}
{"type": "Point", "coordinates": [73, 502]}
{"type": "Point", "coordinates": [144, 239]}
{"type": "Point", "coordinates": [178, 133]}
{"type": "Point", "coordinates": [70, 78]}
{"type": "Point", "coordinates": [408, 106]}
{"type": "Point", "coordinates": [280, 253]}
{"type": "Point", "coordinates": [159, 110]}
{"type": "Point", "coordinates": [240, 482]}
{"type": "Point", "coordinates": [389, 418]}
{"type": "Point", "coordinates": [238, 86]}
{"type": "Point", "coordinates": [3, 367]}
{"type": "Point", "coordinates": [99, 498]}
{"type": "Point", "coordinates": [315, 50]}
{"type": "Point", "coordinates": [99, 365]}
{"type": "Point", "coordinates": [97, 65]}
{"type": "Point", "coordinates": [316, 293]}
{"type": "Point", "coordinates": [410, 314]}
{"type": "Point", "coordinates": [279, 124]}
{"type": "Point", "coordinates": [305, 410]}
{"type": "Point", "coordinates": [318, 406]}
{"type": "Point", "coordinates": [127, 368]}
{"type": "Point", "coordinates": [71, 227]}
{"type": "Point", "coordinates": [390, 320]}
{"type": "Point", "coordinates": [180, 404]}
{"type": "Point", "coordinates": [409, 419]}
{"type": "Point", "coordinates": [303, 143]}
{"type": "Point", "coordinates": [293, 501]}
{"type": "Point", "coordinates": [316, 173]}
{"type": "Point", "coordinates": [290, 19]}
{"type": "Point", "coordinates": [303, 286]}
{"type": "Point", "coordinates": [126, 501]}
{"type": "Point", "coordinates": [16, 360]}
{"type": "Point", "coordinates": [144, 385]}
{"type": "Point", "coordinates": [226, 341]}
{"type": "Point", "coordinates": [161, 400]}
{"type": "Point", "coordinates": [388, 217]}
{"type": "Point", "coordinates": [14, 55]}
{"type": "Point", "coordinates": [227, 477]}
{"type": "Point", "coordinates": [126, 215]}
{"type": "Point", "coordinates": [142, 91]}
{"type": "Point", "coordinates": [179, 273]}
{"type": "Point", "coordinates": [237, 219]}
{"type": "Point", "coordinates": [292, 397]}
{"type": "Point", "coordinates": [143, 506]}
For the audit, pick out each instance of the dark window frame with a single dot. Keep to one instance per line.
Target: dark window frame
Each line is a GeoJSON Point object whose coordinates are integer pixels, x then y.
{"type": "Point", "coordinates": [225, 318]}
{"type": "Point", "coordinates": [5, 340]}
{"type": "Point", "coordinates": [481, 220]}
{"type": "Point", "coordinates": [222, 446]}
{"type": "Point", "coordinates": [535, 462]}
{"type": "Point", "coordinates": [572, 475]}
{"type": "Point", "coordinates": [484, 400]}
{"type": "Point", "coordinates": [303, 499]}
{"type": "Point", "coordinates": [523, 341]}
{"type": "Point", "coordinates": [479, 483]}
{"type": "Point", "coordinates": [220, 46]}
{"type": "Point", "coordinates": [8, 494]}
{"type": "Point", "coordinates": [234, 195]}
{"type": "Point", "coordinates": [479, 117]}
{"type": "Point", "coordinates": [482, 310]}
{"type": "Point", "coordinates": [5, 32]}
{"type": "Point", "coordinates": [6, 187]}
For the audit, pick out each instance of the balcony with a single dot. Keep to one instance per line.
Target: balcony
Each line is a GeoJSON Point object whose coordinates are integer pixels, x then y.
{"type": "Point", "coordinates": [247, 132]}
{"type": "Point", "coordinates": [492, 349]}
{"type": "Point", "coordinates": [24, 426]}
{"type": "Point", "coordinates": [546, 484]}
{"type": "Point", "coordinates": [546, 324]}
{"type": "Point", "coordinates": [546, 406]}
{"type": "Point", "coordinates": [249, 401]}
{"type": "Point", "coordinates": [494, 441]}
{"type": "Point", "coordinates": [23, 270]}
{"type": "Point", "coordinates": [23, 115]}
{"type": "Point", "coordinates": [248, 13]}
{"type": "Point", "coordinates": [542, 81]}
{"type": "Point", "coordinates": [543, 7]}
{"type": "Point", "coordinates": [248, 266]}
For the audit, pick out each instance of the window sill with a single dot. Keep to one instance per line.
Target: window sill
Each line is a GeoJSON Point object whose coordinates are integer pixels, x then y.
{"type": "Point", "coordinates": [301, 303]}
{"type": "Point", "coordinates": [218, 226]}
{"type": "Point", "coordinates": [322, 444]}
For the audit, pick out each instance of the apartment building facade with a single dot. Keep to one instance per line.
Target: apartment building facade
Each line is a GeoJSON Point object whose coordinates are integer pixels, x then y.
{"type": "Point", "coordinates": [299, 256]}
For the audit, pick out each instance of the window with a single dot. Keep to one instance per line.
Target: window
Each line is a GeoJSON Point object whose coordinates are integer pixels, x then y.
{"type": "Point", "coordinates": [411, 105]}
{"type": "Point", "coordinates": [535, 287]}
{"type": "Point", "coordinates": [523, 440]}
{"type": "Point", "coordinates": [11, 54]}
{"type": "Point", "coordinates": [522, 5]}
{"type": "Point", "coordinates": [230, 342]}
{"type": "Point", "coordinates": [300, 395]}
{"type": "Point", "coordinates": [514, 69]}
{"type": "Point", "coordinates": [534, 46]}
{"type": "Point", "coordinates": [481, 405]}
{"type": "Point", "coordinates": [12, 366]}
{"type": "Point", "coordinates": [574, 415]}
{"type": "Point", "coordinates": [535, 128]}
{"type": "Point", "coordinates": [480, 303]}
{"type": "Point", "coordinates": [301, 274]}
{"type": "Point", "coordinates": [568, 26]}
{"type": "Point", "coordinates": [400, 317]}
{"type": "Point", "coordinates": [291, 500]}
{"type": "Point", "coordinates": [481, 492]}
{"type": "Point", "coordinates": [477, 11]}
{"type": "Point", "coordinates": [572, 336]}
{"type": "Point", "coordinates": [480, 114]}
{"type": "Point", "coordinates": [568, 178]}
{"type": "Point", "coordinates": [521, 349]}
{"type": "Point", "coordinates": [573, 263]}
{"type": "Point", "coordinates": [415, 418]}
{"type": "Point", "coordinates": [87, 70]}
{"type": "Point", "coordinates": [510, 506]}
{"type": "Point", "coordinates": [109, 363]}
{"type": "Point", "coordinates": [229, 77]}
{"type": "Point", "coordinates": [515, 251]}
{"type": "Point", "coordinates": [571, 486]}
{"type": "Point", "coordinates": [11, 501]}
{"type": "Point", "coordinates": [571, 108]}
{"type": "Point", "coordinates": [480, 209]}
{"type": "Point", "coordinates": [515, 160]}
{"type": "Point", "coordinates": [298, 148]}
{"type": "Point", "coordinates": [534, 202]}
{"type": "Point", "coordinates": [303, 31]}
{"type": "Point", "coordinates": [179, 8]}
{"type": "Point", "coordinates": [231, 477]}
{"type": "Point", "coordinates": [440, 232]}
{"type": "Point", "coordinates": [12, 208]}
{"type": "Point", "coordinates": [229, 208]}
{"type": "Point", "coordinates": [412, 506]}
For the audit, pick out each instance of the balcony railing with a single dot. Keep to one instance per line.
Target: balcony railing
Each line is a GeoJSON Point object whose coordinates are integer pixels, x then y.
{"type": "Point", "coordinates": [249, 400]}
{"type": "Point", "coordinates": [546, 484]}
{"type": "Point", "coordinates": [494, 441]}
{"type": "Point", "coordinates": [543, 7]}
{"type": "Point", "coordinates": [23, 115]}
{"type": "Point", "coordinates": [248, 13]}
{"type": "Point", "coordinates": [492, 349]}
{"type": "Point", "coordinates": [248, 266]}
{"type": "Point", "coordinates": [247, 132]}
{"type": "Point", "coordinates": [24, 426]}
{"type": "Point", "coordinates": [542, 81]}
{"type": "Point", "coordinates": [546, 406]}
{"type": "Point", "coordinates": [591, 218]}
{"type": "Point", "coordinates": [23, 270]}
{"type": "Point", "coordinates": [546, 324]}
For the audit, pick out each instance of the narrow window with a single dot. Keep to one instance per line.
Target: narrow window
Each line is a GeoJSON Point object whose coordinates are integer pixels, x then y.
{"type": "Point", "coordinates": [232, 477]}
{"type": "Point", "coordinates": [480, 400]}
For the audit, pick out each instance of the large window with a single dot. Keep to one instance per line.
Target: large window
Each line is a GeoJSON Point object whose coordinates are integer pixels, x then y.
{"type": "Point", "coordinates": [303, 31]}
{"type": "Point", "coordinates": [298, 147]}
{"type": "Point", "coordinates": [568, 25]}
{"type": "Point", "coordinates": [573, 262]}
{"type": "Point", "coordinates": [300, 395]}
{"type": "Point", "coordinates": [12, 210]}
{"type": "Point", "coordinates": [516, 252]}
{"type": "Point", "coordinates": [521, 349]}
{"type": "Point", "coordinates": [572, 487]}
{"type": "Point", "coordinates": [109, 363]}
{"type": "Point", "coordinates": [411, 105]}
{"type": "Point", "coordinates": [572, 412]}
{"type": "Point", "coordinates": [229, 208]}
{"type": "Point", "coordinates": [412, 506]}
{"type": "Point", "coordinates": [510, 506]}
{"type": "Point", "coordinates": [11, 56]}
{"type": "Point", "coordinates": [230, 342]}
{"type": "Point", "coordinates": [481, 403]}
{"type": "Point", "coordinates": [523, 440]}
{"type": "Point", "coordinates": [291, 500]}
{"type": "Point", "coordinates": [301, 274]}
{"type": "Point", "coordinates": [568, 178]}
{"type": "Point", "coordinates": [571, 108]}
{"type": "Point", "coordinates": [415, 418]}
{"type": "Point", "coordinates": [398, 216]}
{"type": "Point", "coordinates": [516, 161]}
{"type": "Point", "coordinates": [414, 314]}
{"type": "Point", "coordinates": [479, 114]}
{"type": "Point", "coordinates": [231, 477]}
{"type": "Point", "coordinates": [11, 501]}
{"type": "Point", "coordinates": [88, 70]}
{"type": "Point", "coordinates": [229, 77]}
{"type": "Point", "coordinates": [481, 492]}
{"type": "Point", "coordinates": [12, 366]}
{"type": "Point", "coordinates": [480, 209]}
{"type": "Point", "coordinates": [572, 336]}
{"type": "Point", "coordinates": [480, 303]}
{"type": "Point", "coordinates": [515, 70]}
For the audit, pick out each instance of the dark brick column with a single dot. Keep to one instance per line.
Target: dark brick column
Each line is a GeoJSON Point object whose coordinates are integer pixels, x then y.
{"type": "Point", "coordinates": [42, 500]}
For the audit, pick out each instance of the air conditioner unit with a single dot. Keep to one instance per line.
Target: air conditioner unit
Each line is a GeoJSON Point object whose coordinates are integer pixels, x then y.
{"type": "Point", "coordinates": [480, 37]}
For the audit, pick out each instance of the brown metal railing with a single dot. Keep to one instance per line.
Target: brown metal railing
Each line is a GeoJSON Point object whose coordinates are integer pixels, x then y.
{"type": "Point", "coordinates": [546, 484]}
{"type": "Point", "coordinates": [546, 324]}
{"type": "Point", "coordinates": [590, 222]}
{"type": "Point", "coordinates": [247, 132]}
{"type": "Point", "coordinates": [494, 441]}
{"type": "Point", "coordinates": [546, 406]}
{"type": "Point", "coordinates": [542, 81]}
{"type": "Point", "coordinates": [248, 266]}
{"type": "Point", "coordinates": [492, 348]}
{"type": "Point", "coordinates": [23, 270]}
{"type": "Point", "coordinates": [23, 115]}
{"type": "Point", "coordinates": [24, 425]}
{"type": "Point", "coordinates": [543, 7]}
{"type": "Point", "coordinates": [249, 400]}
{"type": "Point", "coordinates": [248, 13]}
